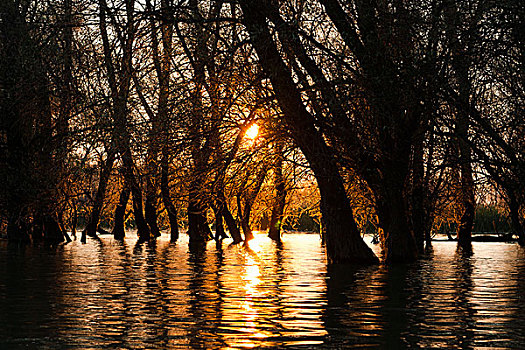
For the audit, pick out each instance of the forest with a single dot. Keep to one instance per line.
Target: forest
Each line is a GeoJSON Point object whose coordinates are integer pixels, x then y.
{"type": "Point", "coordinates": [216, 118]}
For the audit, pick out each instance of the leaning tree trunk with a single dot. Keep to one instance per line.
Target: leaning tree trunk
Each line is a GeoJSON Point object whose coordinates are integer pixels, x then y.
{"type": "Point", "coordinates": [94, 218]}
{"type": "Point", "coordinates": [231, 223]}
{"type": "Point", "coordinates": [343, 241]}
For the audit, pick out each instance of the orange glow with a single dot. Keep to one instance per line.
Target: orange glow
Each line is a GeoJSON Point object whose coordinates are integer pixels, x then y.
{"type": "Point", "coordinates": [252, 131]}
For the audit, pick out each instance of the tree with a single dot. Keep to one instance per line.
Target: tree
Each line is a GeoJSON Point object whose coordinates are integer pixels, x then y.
{"type": "Point", "coordinates": [343, 241]}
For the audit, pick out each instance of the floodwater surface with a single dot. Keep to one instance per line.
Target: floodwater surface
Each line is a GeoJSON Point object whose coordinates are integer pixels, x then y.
{"type": "Point", "coordinates": [119, 295]}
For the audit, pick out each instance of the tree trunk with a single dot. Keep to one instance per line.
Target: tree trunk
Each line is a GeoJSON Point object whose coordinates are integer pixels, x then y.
{"type": "Point", "coordinates": [399, 243]}
{"type": "Point", "coordinates": [166, 198]}
{"type": "Point", "coordinates": [516, 222]}
{"type": "Point", "coordinates": [120, 88]}
{"type": "Point", "coordinates": [63, 227]}
{"type": "Point", "coordinates": [418, 209]}
{"type": "Point", "coordinates": [52, 232]}
{"type": "Point", "coordinates": [198, 228]}
{"type": "Point", "coordinates": [91, 228]}
{"type": "Point", "coordinates": [233, 228]}
{"type": "Point", "coordinates": [150, 212]}
{"type": "Point", "coordinates": [249, 199]}
{"type": "Point", "coordinates": [343, 241]}
{"type": "Point", "coordinates": [274, 232]}
{"type": "Point", "coordinates": [219, 225]}
{"type": "Point", "coordinates": [119, 231]}
{"type": "Point", "coordinates": [74, 220]}
{"type": "Point", "coordinates": [460, 64]}
{"type": "Point", "coordinates": [136, 193]}
{"type": "Point", "coordinates": [392, 204]}
{"type": "Point", "coordinates": [244, 218]}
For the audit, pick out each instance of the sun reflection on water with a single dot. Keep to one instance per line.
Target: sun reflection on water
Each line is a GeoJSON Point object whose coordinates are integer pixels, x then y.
{"type": "Point", "coordinates": [107, 294]}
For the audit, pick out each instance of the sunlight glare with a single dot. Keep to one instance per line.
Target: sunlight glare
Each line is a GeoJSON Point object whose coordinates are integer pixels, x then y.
{"type": "Point", "coordinates": [252, 131]}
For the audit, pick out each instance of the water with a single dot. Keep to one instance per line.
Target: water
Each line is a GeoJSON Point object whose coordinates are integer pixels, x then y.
{"type": "Point", "coordinates": [106, 294]}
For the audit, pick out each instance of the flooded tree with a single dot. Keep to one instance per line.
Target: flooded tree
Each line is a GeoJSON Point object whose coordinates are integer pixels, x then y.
{"type": "Point", "coordinates": [403, 113]}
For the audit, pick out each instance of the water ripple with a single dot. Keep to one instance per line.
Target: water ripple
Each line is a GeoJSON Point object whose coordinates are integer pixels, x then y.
{"type": "Point", "coordinates": [108, 294]}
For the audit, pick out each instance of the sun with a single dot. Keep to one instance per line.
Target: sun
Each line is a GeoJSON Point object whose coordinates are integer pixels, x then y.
{"type": "Point", "coordinates": [252, 131]}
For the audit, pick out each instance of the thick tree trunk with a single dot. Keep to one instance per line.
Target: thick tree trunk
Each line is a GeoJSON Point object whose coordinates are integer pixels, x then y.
{"type": "Point", "coordinates": [119, 231]}
{"type": "Point", "coordinates": [52, 232]}
{"type": "Point", "coordinates": [392, 206]}
{"type": "Point", "coordinates": [150, 212]}
{"type": "Point", "coordinates": [399, 244]}
{"type": "Point", "coordinates": [343, 241]}
{"type": "Point", "coordinates": [198, 228]}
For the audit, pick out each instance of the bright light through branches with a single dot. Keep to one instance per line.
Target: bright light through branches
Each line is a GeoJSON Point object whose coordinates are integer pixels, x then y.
{"type": "Point", "coordinates": [252, 132]}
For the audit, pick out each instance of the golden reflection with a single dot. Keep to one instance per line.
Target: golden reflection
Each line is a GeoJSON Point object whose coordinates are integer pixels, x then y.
{"type": "Point", "coordinates": [248, 309]}
{"type": "Point", "coordinates": [110, 294]}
